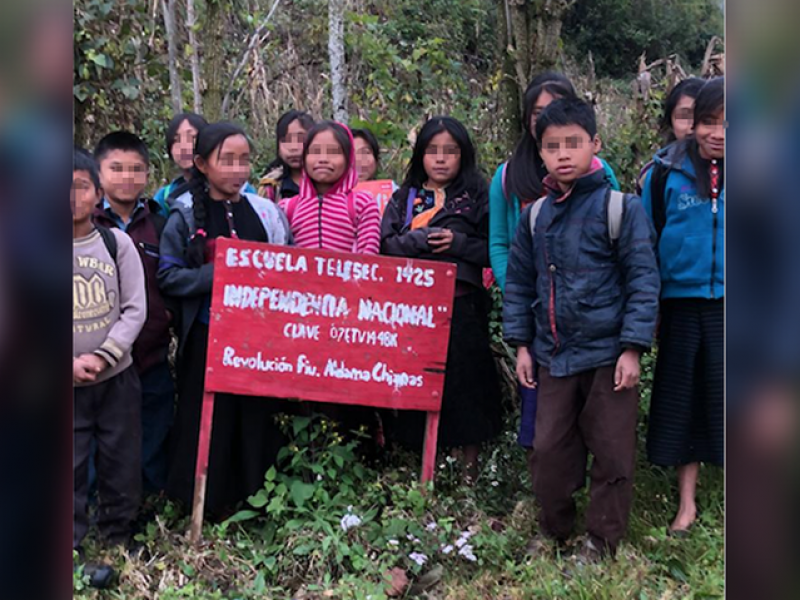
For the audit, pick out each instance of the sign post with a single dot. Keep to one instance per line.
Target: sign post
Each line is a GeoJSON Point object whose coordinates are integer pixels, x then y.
{"type": "Point", "coordinates": [325, 326]}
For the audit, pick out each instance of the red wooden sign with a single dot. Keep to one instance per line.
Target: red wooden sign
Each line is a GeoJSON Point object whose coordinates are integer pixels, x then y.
{"type": "Point", "coordinates": [329, 327]}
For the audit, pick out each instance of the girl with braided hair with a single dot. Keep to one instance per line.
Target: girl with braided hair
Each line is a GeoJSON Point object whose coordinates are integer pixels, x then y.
{"type": "Point", "coordinates": [246, 439]}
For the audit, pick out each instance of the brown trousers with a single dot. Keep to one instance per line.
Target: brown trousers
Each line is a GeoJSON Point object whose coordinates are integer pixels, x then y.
{"type": "Point", "coordinates": [577, 415]}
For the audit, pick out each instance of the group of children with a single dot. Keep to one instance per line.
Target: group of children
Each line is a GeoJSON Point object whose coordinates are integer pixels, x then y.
{"type": "Point", "coordinates": [585, 272]}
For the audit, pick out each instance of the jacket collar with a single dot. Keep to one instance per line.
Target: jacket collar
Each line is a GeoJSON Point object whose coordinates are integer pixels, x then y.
{"type": "Point", "coordinates": [594, 179]}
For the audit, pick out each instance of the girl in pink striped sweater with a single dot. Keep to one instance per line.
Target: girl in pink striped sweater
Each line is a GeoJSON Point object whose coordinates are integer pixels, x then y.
{"type": "Point", "coordinates": [328, 213]}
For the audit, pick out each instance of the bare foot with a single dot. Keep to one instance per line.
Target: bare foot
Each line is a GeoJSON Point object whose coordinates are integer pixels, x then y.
{"type": "Point", "coordinates": [684, 520]}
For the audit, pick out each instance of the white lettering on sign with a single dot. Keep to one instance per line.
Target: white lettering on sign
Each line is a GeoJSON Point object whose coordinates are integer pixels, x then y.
{"type": "Point", "coordinates": [395, 313]}
{"type": "Point", "coordinates": [354, 335]}
{"type": "Point", "coordinates": [285, 301]}
{"type": "Point", "coordinates": [282, 262]}
{"type": "Point", "coordinates": [416, 276]}
{"type": "Point", "coordinates": [346, 270]}
{"type": "Point", "coordinates": [301, 331]}
{"type": "Point", "coordinates": [255, 362]}
{"type": "Point", "coordinates": [381, 372]}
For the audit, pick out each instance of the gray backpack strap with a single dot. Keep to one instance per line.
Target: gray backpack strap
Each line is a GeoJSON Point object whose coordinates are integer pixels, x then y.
{"type": "Point", "coordinates": [534, 214]}
{"type": "Point", "coordinates": [616, 206]}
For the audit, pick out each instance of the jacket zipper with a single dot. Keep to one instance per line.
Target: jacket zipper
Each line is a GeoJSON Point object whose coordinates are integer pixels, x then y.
{"type": "Point", "coordinates": [551, 309]}
{"type": "Point", "coordinates": [715, 212]}
{"type": "Point", "coordinates": [319, 220]}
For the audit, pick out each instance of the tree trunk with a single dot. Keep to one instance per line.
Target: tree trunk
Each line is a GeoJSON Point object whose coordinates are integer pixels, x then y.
{"type": "Point", "coordinates": [214, 62]}
{"type": "Point", "coordinates": [337, 58]}
{"type": "Point", "coordinates": [546, 48]}
{"type": "Point", "coordinates": [168, 7]}
{"type": "Point", "coordinates": [509, 89]}
{"type": "Point", "coordinates": [521, 42]}
{"type": "Point", "coordinates": [191, 23]}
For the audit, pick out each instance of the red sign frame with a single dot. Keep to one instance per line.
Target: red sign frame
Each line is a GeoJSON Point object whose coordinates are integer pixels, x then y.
{"type": "Point", "coordinates": [325, 326]}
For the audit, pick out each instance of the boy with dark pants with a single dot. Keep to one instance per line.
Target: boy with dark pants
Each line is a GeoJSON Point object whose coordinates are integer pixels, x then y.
{"type": "Point", "coordinates": [108, 313]}
{"type": "Point", "coordinates": [583, 287]}
{"type": "Point", "coordinates": [124, 164]}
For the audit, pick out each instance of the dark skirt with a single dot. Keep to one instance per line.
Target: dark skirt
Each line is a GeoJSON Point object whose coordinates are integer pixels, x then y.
{"type": "Point", "coordinates": [244, 440]}
{"type": "Point", "coordinates": [687, 415]}
{"type": "Point", "coordinates": [471, 403]}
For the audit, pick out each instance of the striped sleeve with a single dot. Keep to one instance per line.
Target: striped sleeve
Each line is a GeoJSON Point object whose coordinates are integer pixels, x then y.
{"type": "Point", "coordinates": [368, 233]}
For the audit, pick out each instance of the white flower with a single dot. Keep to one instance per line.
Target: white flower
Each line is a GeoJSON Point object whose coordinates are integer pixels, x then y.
{"type": "Point", "coordinates": [460, 542]}
{"type": "Point", "coordinates": [410, 537]}
{"type": "Point", "coordinates": [349, 521]}
{"type": "Point", "coordinates": [447, 549]}
{"type": "Point", "coordinates": [466, 552]}
{"type": "Point", "coordinates": [418, 558]}
{"type": "Point", "coordinates": [319, 477]}
{"type": "Point", "coordinates": [431, 526]}
{"type": "Point", "coordinates": [495, 484]}
{"type": "Point", "coordinates": [393, 543]}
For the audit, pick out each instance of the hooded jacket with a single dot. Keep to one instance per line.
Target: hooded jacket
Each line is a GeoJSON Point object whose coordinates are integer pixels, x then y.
{"type": "Point", "coordinates": [692, 245]}
{"type": "Point", "coordinates": [341, 219]}
{"type": "Point", "coordinates": [580, 298]}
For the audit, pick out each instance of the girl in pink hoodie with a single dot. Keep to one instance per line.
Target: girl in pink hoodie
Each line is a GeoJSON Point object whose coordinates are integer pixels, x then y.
{"type": "Point", "coordinates": [328, 213]}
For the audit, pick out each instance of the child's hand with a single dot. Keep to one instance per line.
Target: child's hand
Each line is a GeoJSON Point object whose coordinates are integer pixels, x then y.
{"type": "Point", "coordinates": [626, 375]}
{"type": "Point", "coordinates": [525, 364]}
{"type": "Point", "coordinates": [440, 240]}
{"type": "Point", "coordinates": [96, 364]}
{"type": "Point", "coordinates": [82, 372]}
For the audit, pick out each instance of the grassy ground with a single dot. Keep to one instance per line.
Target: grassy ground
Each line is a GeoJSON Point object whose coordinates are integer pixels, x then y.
{"type": "Point", "coordinates": [291, 543]}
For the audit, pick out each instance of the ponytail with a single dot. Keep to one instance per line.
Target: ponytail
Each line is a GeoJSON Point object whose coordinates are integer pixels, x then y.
{"type": "Point", "coordinates": [196, 251]}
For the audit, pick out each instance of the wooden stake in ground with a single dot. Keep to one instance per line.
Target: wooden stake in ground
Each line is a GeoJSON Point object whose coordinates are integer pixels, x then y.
{"type": "Point", "coordinates": [168, 7]}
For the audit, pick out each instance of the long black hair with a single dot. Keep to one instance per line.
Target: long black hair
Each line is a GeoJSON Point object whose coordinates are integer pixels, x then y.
{"type": "Point", "coordinates": [209, 139]}
{"type": "Point", "coordinates": [194, 120]}
{"type": "Point", "coordinates": [468, 179]}
{"type": "Point", "coordinates": [688, 87]}
{"type": "Point", "coordinates": [708, 103]}
{"type": "Point", "coordinates": [281, 129]}
{"type": "Point", "coordinates": [339, 132]}
{"type": "Point", "coordinates": [525, 168]}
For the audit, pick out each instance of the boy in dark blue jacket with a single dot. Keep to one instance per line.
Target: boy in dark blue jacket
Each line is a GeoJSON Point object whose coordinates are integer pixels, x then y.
{"type": "Point", "coordinates": [583, 287]}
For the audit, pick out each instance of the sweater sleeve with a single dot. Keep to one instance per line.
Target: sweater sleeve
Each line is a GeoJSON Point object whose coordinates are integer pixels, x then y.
{"type": "Point", "coordinates": [499, 235]}
{"type": "Point", "coordinates": [368, 229]}
{"type": "Point", "coordinates": [175, 277]}
{"type": "Point", "coordinates": [393, 242]}
{"type": "Point", "coordinates": [132, 302]}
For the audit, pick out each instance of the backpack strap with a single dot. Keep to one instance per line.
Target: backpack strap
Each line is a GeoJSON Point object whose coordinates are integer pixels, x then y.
{"type": "Point", "coordinates": [110, 241]}
{"type": "Point", "coordinates": [658, 190]}
{"type": "Point", "coordinates": [536, 208]}
{"type": "Point", "coordinates": [616, 207]}
{"type": "Point", "coordinates": [412, 194]}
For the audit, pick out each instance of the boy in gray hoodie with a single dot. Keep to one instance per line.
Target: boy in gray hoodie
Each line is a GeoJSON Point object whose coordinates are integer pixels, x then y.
{"type": "Point", "coordinates": [109, 310]}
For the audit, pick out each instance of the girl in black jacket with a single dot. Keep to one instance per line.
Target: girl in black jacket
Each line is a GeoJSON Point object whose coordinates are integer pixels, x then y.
{"type": "Point", "coordinates": [441, 212]}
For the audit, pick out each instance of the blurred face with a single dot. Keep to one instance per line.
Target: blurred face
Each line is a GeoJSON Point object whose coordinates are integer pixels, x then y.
{"type": "Point", "coordinates": [183, 146]}
{"type": "Point", "coordinates": [542, 102]}
{"type": "Point", "coordinates": [83, 196]}
{"type": "Point", "coordinates": [710, 135]}
{"type": "Point", "coordinates": [366, 165]}
{"type": "Point", "coordinates": [683, 117]}
{"type": "Point", "coordinates": [325, 162]}
{"type": "Point", "coordinates": [442, 160]}
{"type": "Point", "coordinates": [567, 152]}
{"type": "Point", "coordinates": [123, 175]}
{"type": "Point", "coordinates": [290, 148]}
{"type": "Point", "coordinates": [227, 168]}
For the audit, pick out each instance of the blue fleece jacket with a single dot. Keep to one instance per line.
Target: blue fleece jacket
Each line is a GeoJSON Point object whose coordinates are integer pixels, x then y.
{"type": "Point", "coordinates": [692, 245]}
{"type": "Point", "coordinates": [503, 219]}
